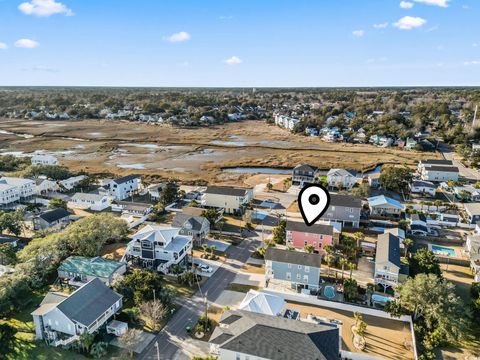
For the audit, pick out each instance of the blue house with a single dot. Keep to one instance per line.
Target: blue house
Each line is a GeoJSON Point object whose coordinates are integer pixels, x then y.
{"type": "Point", "coordinates": [295, 269]}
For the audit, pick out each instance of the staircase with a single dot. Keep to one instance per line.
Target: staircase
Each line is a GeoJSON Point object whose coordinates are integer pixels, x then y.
{"type": "Point", "coordinates": [66, 342]}
{"type": "Point", "coordinates": [164, 268]}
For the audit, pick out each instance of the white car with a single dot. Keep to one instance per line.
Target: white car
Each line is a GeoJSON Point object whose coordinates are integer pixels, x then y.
{"type": "Point", "coordinates": [205, 268]}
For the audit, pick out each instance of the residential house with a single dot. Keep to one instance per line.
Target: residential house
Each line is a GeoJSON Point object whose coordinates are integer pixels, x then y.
{"type": "Point", "coordinates": [419, 225]}
{"type": "Point", "coordinates": [197, 227]}
{"type": "Point", "coordinates": [123, 187]}
{"type": "Point", "coordinates": [71, 182]}
{"type": "Point", "coordinates": [61, 318]}
{"type": "Point", "coordinates": [398, 232]}
{"type": "Point", "coordinates": [155, 190]}
{"type": "Point", "coordinates": [382, 205]}
{"type": "Point", "coordinates": [472, 210]}
{"type": "Point", "coordinates": [312, 131]}
{"type": "Point", "coordinates": [303, 174]}
{"type": "Point", "coordinates": [8, 194]}
{"type": "Point", "coordinates": [423, 187]}
{"type": "Point", "coordinates": [25, 187]}
{"type": "Point", "coordinates": [466, 193]}
{"type": "Point", "coordinates": [295, 269]}
{"type": "Point", "coordinates": [410, 144]}
{"type": "Point", "coordinates": [262, 303]}
{"type": "Point", "coordinates": [300, 235]}
{"type": "Point", "coordinates": [374, 180]}
{"type": "Point", "coordinates": [231, 199]}
{"type": "Point", "coordinates": [78, 270]}
{"type": "Point", "coordinates": [132, 208]}
{"type": "Point", "coordinates": [55, 218]}
{"type": "Point", "coordinates": [344, 209]}
{"type": "Point", "coordinates": [44, 186]}
{"type": "Point", "coordinates": [44, 159]}
{"type": "Point", "coordinates": [437, 170]}
{"type": "Point", "coordinates": [387, 260]}
{"type": "Point", "coordinates": [246, 335]}
{"type": "Point", "coordinates": [341, 179]}
{"type": "Point", "coordinates": [94, 202]}
{"type": "Point", "coordinates": [158, 248]}
{"type": "Point", "coordinates": [472, 247]}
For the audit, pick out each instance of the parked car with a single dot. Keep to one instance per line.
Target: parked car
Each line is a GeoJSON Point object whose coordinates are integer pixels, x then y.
{"type": "Point", "coordinates": [205, 268]}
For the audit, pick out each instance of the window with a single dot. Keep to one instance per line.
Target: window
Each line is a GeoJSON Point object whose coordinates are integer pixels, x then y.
{"type": "Point", "coordinates": [307, 268]}
{"type": "Point", "coordinates": [289, 276]}
{"type": "Point", "coordinates": [305, 242]}
{"type": "Point", "coordinates": [299, 267]}
{"type": "Point", "coordinates": [299, 276]}
{"type": "Point", "coordinates": [321, 236]}
{"type": "Point", "coordinates": [237, 356]}
{"type": "Point", "coordinates": [289, 266]}
{"type": "Point", "coordinates": [305, 278]}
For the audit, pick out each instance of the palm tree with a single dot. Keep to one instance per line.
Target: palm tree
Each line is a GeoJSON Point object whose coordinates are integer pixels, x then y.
{"type": "Point", "coordinates": [309, 248]}
{"type": "Point", "coordinates": [351, 267]}
{"type": "Point", "coordinates": [343, 262]}
{"type": "Point", "coordinates": [408, 244]}
{"type": "Point", "coordinates": [212, 249]}
{"type": "Point", "coordinates": [358, 317]}
{"type": "Point", "coordinates": [330, 259]}
{"type": "Point", "coordinates": [204, 248]}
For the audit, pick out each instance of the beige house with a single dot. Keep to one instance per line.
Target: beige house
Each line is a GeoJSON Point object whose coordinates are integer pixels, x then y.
{"type": "Point", "coordinates": [231, 199]}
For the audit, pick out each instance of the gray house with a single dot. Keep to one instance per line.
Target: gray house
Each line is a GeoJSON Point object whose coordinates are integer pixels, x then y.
{"type": "Point", "coordinates": [51, 218]}
{"type": "Point", "coordinates": [344, 209]}
{"type": "Point", "coordinates": [473, 212]}
{"type": "Point", "coordinates": [196, 226]}
{"type": "Point", "coordinates": [61, 318]}
{"type": "Point", "coordinates": [249, 335]}
{"type": "Point", "coordinates": [298, 270]}
{"type": "Point", "coordinates": [303, 174]}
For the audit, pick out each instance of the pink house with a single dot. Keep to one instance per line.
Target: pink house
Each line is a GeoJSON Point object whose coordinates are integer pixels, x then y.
{"type": "Point", "coordinates": [318, 235]}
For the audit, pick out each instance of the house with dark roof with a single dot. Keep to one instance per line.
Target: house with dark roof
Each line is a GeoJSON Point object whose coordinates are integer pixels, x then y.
{"type": "Point", "coordinates": [51, 218]}
{"type": "Point", "coordinates": [293, 269]}
{"type": "Point", "coordinates": [123, 187]}
{"type": "Point", "coordinates": [423, 187]}
{"type": "Point", "coordinates": [387, 260]}
{"type": "Point", "coordinates": [231, 199]}
{"type": "Point", "coordinates": [61, 319]}
{"type": "Point", "coordinates": [303, 174]}
{"type": "Point", "coordinates": [78, 270]}
{"type": "Point", "coordinates": [437, 170]}
{"type": "Point", "coordinates": [249, 335]}
{"type": "Point", "coordinates": [197, 227]}
{"type": "Point", "coordinates": [344, 209]}
{"type": "Point", "coordinates": [318, 235]}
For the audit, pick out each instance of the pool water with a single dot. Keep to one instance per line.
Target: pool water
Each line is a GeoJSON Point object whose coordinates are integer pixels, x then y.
{"type": "Point", "coordinates": [441, 250]}
{"type": "Point", "coordinates": [381, 299]}
{"type": "Point", "coordinates": [329, 292]}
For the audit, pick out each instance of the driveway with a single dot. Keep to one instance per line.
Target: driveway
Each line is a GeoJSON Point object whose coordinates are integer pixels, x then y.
{"type": "Point", "coordinates": [173, 340]}
{"type": "Point", "coordinates": [219, 245]}
{"type": "Point", "coordinates": [215, 265]}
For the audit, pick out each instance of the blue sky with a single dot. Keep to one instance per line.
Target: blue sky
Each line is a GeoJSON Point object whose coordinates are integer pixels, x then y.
{"type": "Point", "coordinates": [240, 43]}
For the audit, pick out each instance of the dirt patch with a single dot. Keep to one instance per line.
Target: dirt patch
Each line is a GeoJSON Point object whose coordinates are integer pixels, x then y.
{"type": "Point", "coordinates": [114, 251]}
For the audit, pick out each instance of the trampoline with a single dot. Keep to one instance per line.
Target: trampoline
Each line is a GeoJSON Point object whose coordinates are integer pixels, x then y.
{"type": "Point", "coordinates": [329, 292]}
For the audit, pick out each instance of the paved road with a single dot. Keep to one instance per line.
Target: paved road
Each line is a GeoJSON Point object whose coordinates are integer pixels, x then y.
{"type": "Point", "coordinates": [449, 154]}
{"type": "Point", "coordinates": [173, 340]}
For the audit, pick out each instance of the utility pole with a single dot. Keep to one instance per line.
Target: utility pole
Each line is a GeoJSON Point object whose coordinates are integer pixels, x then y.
{"type": "Point", "coordinates": [206, 312]}
{"type": "Point", "coordinates": [475, 117]}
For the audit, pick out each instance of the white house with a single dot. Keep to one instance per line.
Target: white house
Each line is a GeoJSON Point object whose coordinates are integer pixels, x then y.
{"type": "Point", "coordinates": [472, 247]}
{"type": "Point", "coordinates": [95, 202]}
{"type": "Point", "coordinates": [231, 199]}
{"type": "Point", "coordinates": [387, 260]}
{"type": "Point", "coordinates": [44, 186]}
{"type": "Point", "coordinates": [123, 187]}
{"type": "Point", "coordinates": [437, 170]}
{"type": "Point", "coordinates": [423, 187]}
{"type": "Point", "coordinates": [158, 247]}
{"type": "Point", "coordinates": [44, 159]}
{"type": "Point", "coordinates": [262, 303]}
{"type": "Point", "coordinates": [62, 318]}
{"type": "Point", "coordinates": [71, 182]}
{"type": "Point", "coordinates": [341, 179]}
{"type": "Point", "coordinates": [25, 187]}
{"type": "Point", "coordinates": [8, 194]}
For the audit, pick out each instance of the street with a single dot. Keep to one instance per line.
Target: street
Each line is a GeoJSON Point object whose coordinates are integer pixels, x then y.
{"type": "Point", "coordinates": [173, 340]}
{"type": "Point", "coordinates": [465, 172]}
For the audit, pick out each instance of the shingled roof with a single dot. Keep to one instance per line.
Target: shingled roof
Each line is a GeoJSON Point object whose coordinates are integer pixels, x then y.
{"type": "Point", "coordinates": [276, 338]}
{"type": "Point", "coordinates": [300, 226]}
{"type": "Point", "coordinates": [226, 190]}
{"type": "Point", "coordinates": [388, 249]}
{"type": "Point", "coordinates": [293, 257]}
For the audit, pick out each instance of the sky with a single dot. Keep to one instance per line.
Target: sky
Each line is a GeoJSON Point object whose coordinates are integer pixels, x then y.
{"type": "Point", "coordinates": [240, 43]}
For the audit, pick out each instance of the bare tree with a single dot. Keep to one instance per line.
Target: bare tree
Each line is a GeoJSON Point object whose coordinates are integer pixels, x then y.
{"type": "Point", "coordinates": [153, 311]}
{"type": "Point", "coordinates": [131, 338]}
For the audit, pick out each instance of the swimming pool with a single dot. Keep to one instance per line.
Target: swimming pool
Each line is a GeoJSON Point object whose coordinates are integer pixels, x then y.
{"type": "Point", "coordinates": [329, 292]}
{"type": "Point", "coordinates": [259, 215]}
{"type": "Point", "coordinates": [443, 251]}
{"type": "Point", "coordinates": [381, 299]}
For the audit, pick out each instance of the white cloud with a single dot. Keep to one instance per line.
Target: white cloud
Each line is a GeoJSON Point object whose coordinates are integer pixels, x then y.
{"type": "Point", "coordinates": [3, 46]}
{"type": "Point", "coordinates": [472, 62]}
{"type": "Point", "coordinates": [381, 25]}
{"type": "Point", "coordinates": [406, 5]}
{"type": "Point", "coordinates": [26, 43]}
{"type": "Point", "coordinates": [441, 3]}
{"type": "Point", "coordinates": [358, 33]}
{"type": "Point", "coordinates": [178, 37]}
{"type": "Point", "coordinates": [234, 60]}
{"type": "Point", "coordinates": [409, 22]}
{"type": "Point", "coordinates": [44, 8]}
{"type": "Point", "coordinates": [474, 45]}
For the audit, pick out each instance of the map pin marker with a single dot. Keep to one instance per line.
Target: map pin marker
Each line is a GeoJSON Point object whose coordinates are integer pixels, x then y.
{"type": "Point", "coordinates": [313, 201]}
